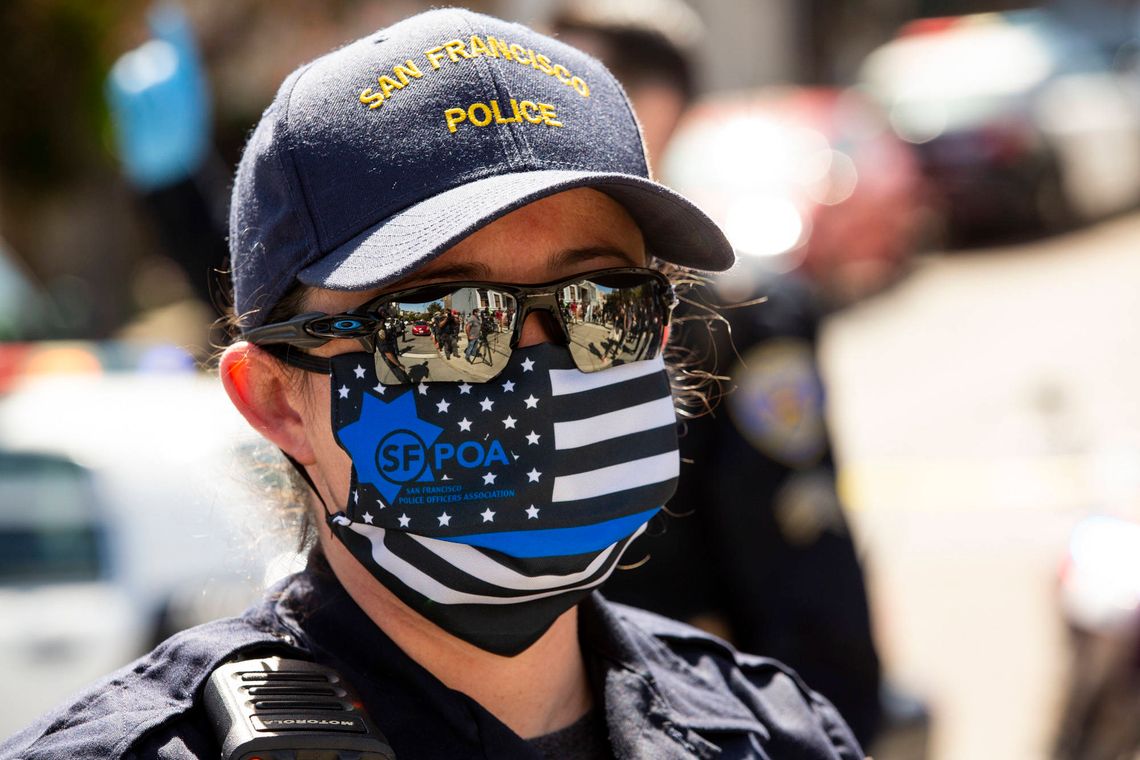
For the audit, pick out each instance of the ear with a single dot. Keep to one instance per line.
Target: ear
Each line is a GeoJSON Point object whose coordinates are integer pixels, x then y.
{"type": "Point", "coordinates": [266, 394]}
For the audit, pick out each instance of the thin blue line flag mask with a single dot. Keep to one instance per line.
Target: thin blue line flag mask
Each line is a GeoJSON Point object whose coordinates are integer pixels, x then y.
{"type": "Point", "coordinates": [491, 509]}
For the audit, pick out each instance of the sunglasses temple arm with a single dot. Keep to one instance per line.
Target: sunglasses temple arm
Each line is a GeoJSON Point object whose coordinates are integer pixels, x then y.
{"type": "Point", "coordinates": [291, 332]}
{"type": "Point", "coordinates": [299, 359]}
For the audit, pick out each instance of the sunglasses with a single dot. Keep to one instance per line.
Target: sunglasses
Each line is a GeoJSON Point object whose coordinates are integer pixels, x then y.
{"type": "Point", "coordinates": [467, 331]}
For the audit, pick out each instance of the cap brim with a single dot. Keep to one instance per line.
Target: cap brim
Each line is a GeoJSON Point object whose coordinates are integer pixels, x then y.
{"type": "Point", "coordinates": [675, 230]}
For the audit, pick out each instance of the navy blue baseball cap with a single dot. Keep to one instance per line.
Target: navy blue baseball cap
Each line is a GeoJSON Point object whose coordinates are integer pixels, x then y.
{"type": "Point", "coordinates": [379, 156]}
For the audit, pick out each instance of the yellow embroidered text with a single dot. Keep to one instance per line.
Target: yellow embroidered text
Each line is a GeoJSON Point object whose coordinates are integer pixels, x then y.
{"type": "Point", "coordinates": [403, 75]}
{"type": "Point", "coordinates": [460, 50]}
{"type": "Point", "coordinates": [485, 114]}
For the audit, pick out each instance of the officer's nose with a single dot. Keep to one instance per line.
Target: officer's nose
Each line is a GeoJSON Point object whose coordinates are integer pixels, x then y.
{"type": "Point", "coordinates": [539, 327]}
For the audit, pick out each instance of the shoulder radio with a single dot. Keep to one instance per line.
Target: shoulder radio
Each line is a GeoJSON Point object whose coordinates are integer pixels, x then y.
{"type": "Point", "coordinates": [275, 708]}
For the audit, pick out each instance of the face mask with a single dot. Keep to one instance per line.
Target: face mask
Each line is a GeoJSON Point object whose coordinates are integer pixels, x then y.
{"type": "Point", "coordinates": [491, 509]}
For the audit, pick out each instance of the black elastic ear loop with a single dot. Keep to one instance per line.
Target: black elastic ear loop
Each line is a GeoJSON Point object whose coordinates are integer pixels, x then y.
{"type": "Point", "coordinates": [331, 518]}
{"type": "Point", "coordinates": [305, 361]}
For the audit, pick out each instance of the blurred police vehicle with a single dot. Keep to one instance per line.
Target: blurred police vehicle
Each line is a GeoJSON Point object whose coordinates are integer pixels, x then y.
{"type": "Point", "coordinates": [114, 532]}
{"type": "Point", "coordinates": [63, 621]}
{"type": "Point", "coordinates": [1020, 120]}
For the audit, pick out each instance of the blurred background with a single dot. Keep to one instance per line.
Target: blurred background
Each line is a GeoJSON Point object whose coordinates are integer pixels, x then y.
{"type": "Point", "coordinates": [955, 184]}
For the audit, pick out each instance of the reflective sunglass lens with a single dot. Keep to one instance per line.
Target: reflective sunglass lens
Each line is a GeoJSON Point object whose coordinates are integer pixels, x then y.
{"type": "Point", "coordinates": [613, 320]}
{"type": "Point", "coordinates": [447, 335]}
{"type": "Point", "coordinates": [450, 334]}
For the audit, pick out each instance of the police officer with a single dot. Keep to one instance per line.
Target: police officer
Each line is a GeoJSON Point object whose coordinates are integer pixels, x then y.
{"type": "Point", "coordinates": [755, 544]}
{"type": "Point", "coordinates": [462, 527]}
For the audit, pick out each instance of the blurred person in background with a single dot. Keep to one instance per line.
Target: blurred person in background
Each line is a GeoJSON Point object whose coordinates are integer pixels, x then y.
{"type": "Point", "coordinates": [161, 112]}
{"type": "Point", "coordinates": [467, 633]}
{"type": "Point", "coordinates": [130, 254]}
{"type": "Point", "coordinates": [754, 546]}
{"type": "Point", "coordinates": [648, 44]}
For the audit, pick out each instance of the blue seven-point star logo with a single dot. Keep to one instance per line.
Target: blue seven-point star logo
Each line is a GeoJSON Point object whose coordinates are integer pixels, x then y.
{"type": "Point", "coordinates": [389, 444]}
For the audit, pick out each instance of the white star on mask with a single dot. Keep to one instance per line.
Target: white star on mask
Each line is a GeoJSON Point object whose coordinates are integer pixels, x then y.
{"type": "Point", "coordinates": [532, 513]}
{"type": "Point", "coordinates": [508, 387]}
{"type": "Point", "coordinates": [509, 422]}
{"type": "Point", "coordinates": [532, 439]}
{"type": "Point", "coordinates": [486, 404]}
{"type": "Point", "coordinates": [488, 515]}
{"type": "Point", "coordinates": [465, 424]}
{"type": "Point", "coordinates": [367, 517]}
{"type": "Point", "coordinates": [343, 391]}
{"type": "Point", "coordinates": [533, 475]}
{"type": "Point", "coordinates": [444, 520]}
{"type": "Point", "coordinates": [489, 479]}
{"type": "Point", "coordinates": [359, 372]}
{"type": "Point", "coordinates": [465, 388]}
{"type": "Point", "coordinates": [442, 406]}
{"type": "Point", "coordinates": [528, 365]}
{"type": "Point", "coordinates": [404, 520]}
{"type": "Point", "coordinates": [423, 388]}
{"type": "Point", "coordinates": [531, 402]}
{"type": "Point", "coordinates": [379, 389]}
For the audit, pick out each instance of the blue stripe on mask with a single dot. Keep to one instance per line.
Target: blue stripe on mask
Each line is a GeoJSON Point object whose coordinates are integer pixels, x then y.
{"type": "Point", "coordinates": [558, 542]}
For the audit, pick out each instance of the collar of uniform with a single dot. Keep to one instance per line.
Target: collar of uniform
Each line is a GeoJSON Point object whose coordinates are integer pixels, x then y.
{"type": "Point", "coordinates": [647, 689]}
{"type": "Point", "coordinates": [653, 670]}
{"type": "Point", "coordinates": [398, 693]}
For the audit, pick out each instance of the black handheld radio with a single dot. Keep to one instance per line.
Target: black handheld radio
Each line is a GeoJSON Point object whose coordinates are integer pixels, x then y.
{"type": "Point", "coordinates": [274, 708]}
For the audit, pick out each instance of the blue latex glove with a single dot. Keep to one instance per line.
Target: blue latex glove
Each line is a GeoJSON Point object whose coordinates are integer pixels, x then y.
{"type": "Point", "coordinates": [160, 103]}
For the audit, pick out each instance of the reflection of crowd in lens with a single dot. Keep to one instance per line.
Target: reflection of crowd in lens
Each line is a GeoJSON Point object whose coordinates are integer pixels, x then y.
{"type": "Point", "coordinates": [480, 325]}
{"type": "Point", "coordinates": [388, 346]}
{"type": "Point", "coordinates": [609, 325]}
{"type": "Point", "coordinates": [631, 326]}
{"type": "Point", "coordinates": [476, 326]}
{"type": "Point", "coordinates": [447, 333]}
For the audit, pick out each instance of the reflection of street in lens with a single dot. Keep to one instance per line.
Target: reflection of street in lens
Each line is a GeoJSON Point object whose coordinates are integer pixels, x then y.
{"type": "Point", "coordinates": [594, 345]}
{"type": "Point", "coordinates": [618, 342]}
{"type": "Point", "coordinates": [425, 362]}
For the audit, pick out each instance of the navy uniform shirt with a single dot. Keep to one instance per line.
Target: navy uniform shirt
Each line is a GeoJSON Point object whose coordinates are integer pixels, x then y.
{"type": "Point", "coordinates": [667, 691]}
{"type": "Point", "coordinates": [756, 535]}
